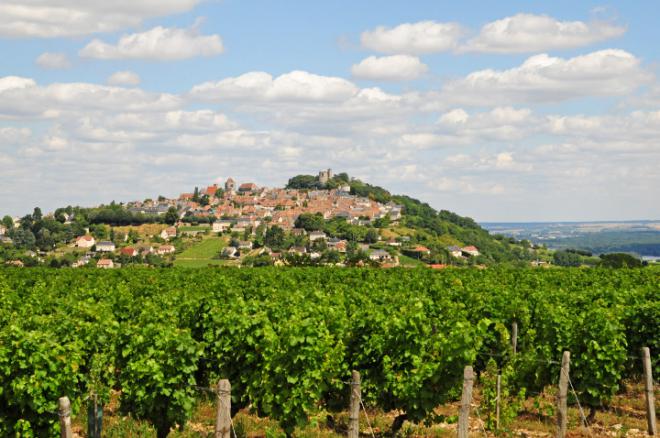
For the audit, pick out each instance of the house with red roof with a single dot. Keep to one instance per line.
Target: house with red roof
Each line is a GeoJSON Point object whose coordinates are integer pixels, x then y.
{"type": "Point", "coordinates": [129, 251]}
{"type": "Point", "coordinates": [105, 264]}
{"type": "Point", "coordinates": [85, 241]}
{"type": "Point", "coordinates": [471, 250]}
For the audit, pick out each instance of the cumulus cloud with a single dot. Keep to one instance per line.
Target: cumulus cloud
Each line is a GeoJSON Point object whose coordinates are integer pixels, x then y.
{"type": "Point", "coordinates": [159, 43]}
{"type": "Point", "coordinates": [124, 78]}
{"type": "Point", "coordinates": [64, 18]}
{"type": "Point", "coordinates": [413, 38]}
{"type": "Point", "coordinates": [389, 68]}
{"type": "Point", "coordinates": [524, 33]}
{"type": "Point", "coordinates": [53, 61]}
{"type": "Point", "coordinates": [24, 98]}
{"type": "Point", "coordinates": [542, 78]}
{"type": "Point", "coordinates": [294, 86]}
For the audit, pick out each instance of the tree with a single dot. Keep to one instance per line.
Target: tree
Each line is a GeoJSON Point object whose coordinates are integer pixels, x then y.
{"type": "Point", "coordinates": [220, 193]}
{"type": "Point", "coordinates": [161, 198]}
{"type": "Point", "coordinates": [382, 222]}
{"type": "Point", "coordinates": [620, 260]}
{"type": "Point", "coordinates": [565, 258]}
{"type": "Point", "coordinates": [23, 239]}
{"type": "Point", "coordinates": [371, 236]}
{"type": "Point", "coordinates": [274, 237]}
{"type": "Point", "coordinates": [8, 222]}
{"type": "Point", "coordinates": [310, 222]}
{"type": "Point", "coordinates": [37, 215]}
{"type": "Point", "coordinates": [303, 182]}
{"type": "Point", "coordinates": [171, 216]}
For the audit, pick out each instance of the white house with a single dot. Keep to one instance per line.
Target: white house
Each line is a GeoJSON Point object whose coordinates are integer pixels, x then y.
{"type": "Point", "coordinates": [3, 230]}
{"type": "Point", "coordinates": [168, 233]}
{"type": "Point", "coordinates": [316, 235]}
{"type": "Point", "coordinates": [245, 244]}
{"type": "Point", "coordinates": [105, 246]}
{"type": "Point", "coordinates": [221, 226]}
{"type": "Point", "coordinates": [165, 249]}
{"type": "Point", "coordinates": [455, 251]}
{"type": "Point", "coordinates": [85, 241]}
{"type": "Point", "coordinates": [471, 250]}
{"type": "Point", "coordinates": [229, 251]}
{"type": "Point", "coordinates": [379, 255]}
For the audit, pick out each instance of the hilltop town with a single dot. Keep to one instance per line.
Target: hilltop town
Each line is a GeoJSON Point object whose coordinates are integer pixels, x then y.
{"type": "Point", "coordinates": [325, 219]}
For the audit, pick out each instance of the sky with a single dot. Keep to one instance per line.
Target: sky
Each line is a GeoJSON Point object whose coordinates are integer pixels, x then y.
{"type": "Point", "coordinates": [501, 111]}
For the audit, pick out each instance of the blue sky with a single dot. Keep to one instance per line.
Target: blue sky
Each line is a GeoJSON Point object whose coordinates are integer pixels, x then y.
{"type": "Point", "coordinates": [503, 111]}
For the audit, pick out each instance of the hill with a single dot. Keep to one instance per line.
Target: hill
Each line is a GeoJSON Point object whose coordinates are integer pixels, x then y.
{"type": "Point", "coordinates": [436, 230]}
{"type": "Point", "coordinates": [314, 220]}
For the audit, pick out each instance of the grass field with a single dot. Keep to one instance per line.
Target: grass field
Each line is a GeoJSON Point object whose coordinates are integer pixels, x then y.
{"type": "Point", "coordinates": [194, 228]}
{"type": "Point", "coordinates": [409, 261]}
{"type": "Point", "coordinates": [202, 254]}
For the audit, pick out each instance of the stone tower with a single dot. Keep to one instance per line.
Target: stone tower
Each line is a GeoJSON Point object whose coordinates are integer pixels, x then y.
{"type": "Point", "coordinates": [230, 185]}
{"type": "Point", "coordinates": [325, 176]}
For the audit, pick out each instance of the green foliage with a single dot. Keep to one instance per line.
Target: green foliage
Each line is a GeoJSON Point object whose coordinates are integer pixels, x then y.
{"type": "Point", "coordinates": [510, 404]}
{"type": "Point", "coordinates": [310, 222]}
{"type": "Point", "coordinates": [620, 260]}
{"type": "Point", "coordinates": [157, 377]}
{"type": "Point", "coordinates": [566, 258]}
{"type": "Point", "coordinates": [288, 338]}
{"type": "Point", "coordinates": [303, 182]}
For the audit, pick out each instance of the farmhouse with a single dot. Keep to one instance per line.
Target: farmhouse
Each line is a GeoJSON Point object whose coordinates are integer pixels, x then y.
{"type": "Point", "coordinates": [221, 226]}
{"type": "Point", "coordinates": [85, 241]}
{"type": "Point", "coordinates": [245, 244]}
{"type": "Point", "coordinates": [105, 246]}
{"type": "Point", "coordinates": [455, 251]}
{"type": "Point", "coordinates": [129, 251]}
{"type": "Point", "coordinates": [380, 255]}
{"type": "Point", "coordinates": [105, 264]}
{"type": "Point", "coordinates": [165, 249]}
{"type": "Point", "coordinates": [470, 250]}
{"type": "Point", "coordinates": [168, 233]}
{"type": "Point", "coordinates": [316, 235]}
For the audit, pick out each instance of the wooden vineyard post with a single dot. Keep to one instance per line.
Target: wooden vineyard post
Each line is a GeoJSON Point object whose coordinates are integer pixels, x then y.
{"type": "Point", "coordinates": [497, 402]}
{"type": "Point", "coordinates": [562, 398]}
{"type": "Point", "coordinates": [64, 412]}
{"type": "Point", "coordinates": [354, 408]}
{"type": "Point", "coordinates": [223, 413]}
{"type": "Point", "coordinates": [466, 401]}
{"type": "Point", "coordinates": [94, 417]}
{"type": "Point", "coordinates": [514, 337]}
{"type": "Point", "coordinates": [648, 389]}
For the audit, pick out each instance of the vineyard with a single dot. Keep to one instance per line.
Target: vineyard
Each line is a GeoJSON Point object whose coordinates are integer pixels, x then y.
{"type": "Point", "coordinates": [287, 339]}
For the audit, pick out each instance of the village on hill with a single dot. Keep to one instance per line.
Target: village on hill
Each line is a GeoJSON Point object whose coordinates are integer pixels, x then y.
{"type": "Point", "coordinates": [242, 224]}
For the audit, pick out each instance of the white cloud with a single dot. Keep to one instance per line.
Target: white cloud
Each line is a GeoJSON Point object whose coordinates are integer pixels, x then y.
{"type": "Point", "coordinates": [294, 86]}
{"type": "Point", "coordinates": [64, 18]}
{"type": "Point", "coordinates": [53, 61]}
{"type": "Point", "coordinates": [159, 43]}
{"type": "Point", "coordinates": [498, 124]}
{"type": "Point", "coordinates": [389, 68]}
{"type": "Point", "coordinates": [542, 78]}
{"type": "Point", "coordinates": [124, 78]}
{"type": "Point", "coordinates": [24, 98]}
{"type": "Point", "coordinates": [413, 38]}
{"type": "Point", "coordinates": [524, 33]}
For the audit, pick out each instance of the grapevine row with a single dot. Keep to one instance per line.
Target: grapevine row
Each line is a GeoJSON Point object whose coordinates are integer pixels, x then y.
{"type": "Point", "coordinates": [287, 339]}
